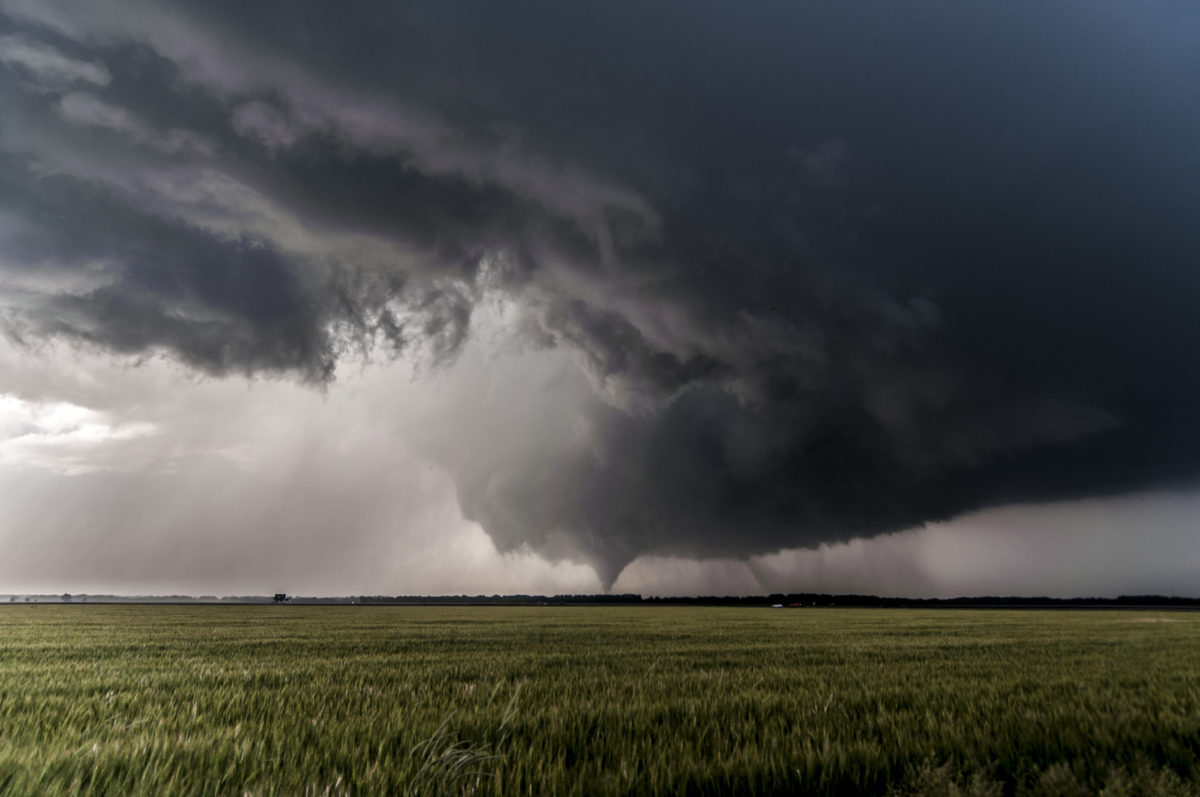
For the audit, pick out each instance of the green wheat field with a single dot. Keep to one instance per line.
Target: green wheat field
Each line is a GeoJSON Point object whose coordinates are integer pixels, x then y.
{"type": "Point", "coordinates": [596, 701]}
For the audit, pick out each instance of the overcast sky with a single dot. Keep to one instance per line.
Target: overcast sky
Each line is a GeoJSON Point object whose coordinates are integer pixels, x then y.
{"type": "Point", "coordinates": [672, 298]}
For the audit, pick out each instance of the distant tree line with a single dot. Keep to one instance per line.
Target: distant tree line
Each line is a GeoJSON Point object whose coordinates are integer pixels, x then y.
{"type": "Point", "coordinates": [796, 599]}
{"type": "Point", "coordinates": [801, 599]}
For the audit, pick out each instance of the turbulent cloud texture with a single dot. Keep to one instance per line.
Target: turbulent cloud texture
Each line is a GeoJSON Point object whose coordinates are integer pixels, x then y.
{"type": "Point", "coordinates": [820, 272]}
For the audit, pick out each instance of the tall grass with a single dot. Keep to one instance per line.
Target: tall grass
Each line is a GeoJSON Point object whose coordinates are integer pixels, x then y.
{"type": "Point", "coordinates": [611, 700]}
{"type": "Point", "coordinates": [447, 765]}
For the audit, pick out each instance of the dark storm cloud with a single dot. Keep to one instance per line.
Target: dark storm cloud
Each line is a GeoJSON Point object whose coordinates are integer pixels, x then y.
{"type": "Point", "coordinates": [830, 270]}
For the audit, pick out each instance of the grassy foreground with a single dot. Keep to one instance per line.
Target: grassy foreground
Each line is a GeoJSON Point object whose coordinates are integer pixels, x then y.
{"type": "Point", "coordinates": [394, 700]}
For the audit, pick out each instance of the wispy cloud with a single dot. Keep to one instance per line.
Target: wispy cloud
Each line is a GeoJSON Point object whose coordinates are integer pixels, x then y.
{"type": "Point", "coordinates": [86, 109]}
{"type": "Point", "coordinates": [47, 67]}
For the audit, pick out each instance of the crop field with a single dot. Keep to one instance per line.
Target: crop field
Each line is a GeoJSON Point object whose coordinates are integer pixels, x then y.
{"type": "Point", "coordinates": [594, 701]}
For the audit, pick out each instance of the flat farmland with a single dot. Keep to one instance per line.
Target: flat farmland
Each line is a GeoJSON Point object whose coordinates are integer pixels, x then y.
{"type": "Point", "coordinates": [594, 701]}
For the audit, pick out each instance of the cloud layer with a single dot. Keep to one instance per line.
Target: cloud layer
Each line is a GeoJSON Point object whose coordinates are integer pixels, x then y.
{"type": "Point", "coordinates": [804, 274]}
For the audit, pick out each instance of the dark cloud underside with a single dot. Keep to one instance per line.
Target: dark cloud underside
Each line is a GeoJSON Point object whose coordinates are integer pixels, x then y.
{"type": "Point", "coordinates": [830, 270]}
